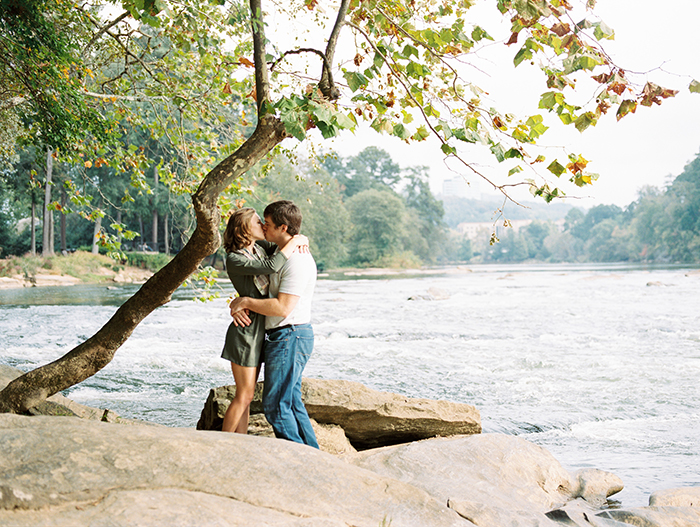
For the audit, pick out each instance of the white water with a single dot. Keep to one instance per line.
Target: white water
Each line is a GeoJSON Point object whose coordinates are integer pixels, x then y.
{"type": "Point", "coordinates": [600, 365]}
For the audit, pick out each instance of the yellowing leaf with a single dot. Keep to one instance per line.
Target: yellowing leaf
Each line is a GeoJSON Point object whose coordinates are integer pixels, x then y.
{"type": "Point", "coordinates": [246, 62]}
{"type": "Point", "coordinates": [88, 164]}
{"type": "Point", "coordinates": [694, 86]}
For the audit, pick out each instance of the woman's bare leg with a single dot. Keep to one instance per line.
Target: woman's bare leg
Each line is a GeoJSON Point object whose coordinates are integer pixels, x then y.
{"type": "Point", "coordinates": [236, 418]}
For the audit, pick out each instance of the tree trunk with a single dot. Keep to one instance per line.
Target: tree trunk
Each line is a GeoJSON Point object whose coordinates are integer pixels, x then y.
{"type": "Point", "coordinates": [95, 353]}
{"type": "Point", "coordinates": [46, 229]}
{"type": "Point", "coordinates": [141, 237]}
{"type": "Point", "coordinates": [95, 232]}
{"type": "Point", "coordinates": [33, 233]}
{"type": "Point", "coordinates": [166, 240]}
{"type": "Point", "coordinates": [154, 230]}
{"type": "Point", "coordinates": [64, 246]}
{"type": "Point", "coordinates": [119, 220]}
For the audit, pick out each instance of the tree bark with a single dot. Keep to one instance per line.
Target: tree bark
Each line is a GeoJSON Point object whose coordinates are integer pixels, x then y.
{"type": "Point", "coordinates": [166, 239]}
{"type": "Point", "coordinates": [47, 217]}
{"type": "Point", "coordinates": [64, 246]}
{"type": "Point", "coordinates": [95, 353]}
{"type": "Point", "coordinates": [154, 230]}
{"type": "Point", "coordinates": [33, 233]}
{"type": "Point", "coordinates": [95, 231]}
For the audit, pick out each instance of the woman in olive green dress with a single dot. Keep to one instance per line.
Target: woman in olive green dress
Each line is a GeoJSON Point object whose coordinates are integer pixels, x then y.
{"type": "Point", "coordinates": [249, 262]}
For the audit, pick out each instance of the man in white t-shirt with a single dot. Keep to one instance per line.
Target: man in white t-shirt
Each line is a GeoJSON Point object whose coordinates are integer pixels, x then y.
{"type": "Point", "coordinates": [289, 337]}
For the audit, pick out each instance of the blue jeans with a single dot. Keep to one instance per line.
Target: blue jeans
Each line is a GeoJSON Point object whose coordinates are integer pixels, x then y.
{"type": "Point", "coordinates": [286, 351]}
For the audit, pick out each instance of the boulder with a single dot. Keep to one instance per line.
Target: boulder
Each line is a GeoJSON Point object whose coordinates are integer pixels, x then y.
{"type": "Point", "coordinates": [63, 472]}
{"type": "Point", "coordinates": [369, 418]}
{"type": "Point", "coordinates": [682, 497]}
{"type": "Point", "coordinates": [331, 438]}
{"type": "Point", "coordinates": [596, 486]}
{"type": "Point", "coordinates": [490, 479]}
{"type": "Point", "coordinates": [58, 405]}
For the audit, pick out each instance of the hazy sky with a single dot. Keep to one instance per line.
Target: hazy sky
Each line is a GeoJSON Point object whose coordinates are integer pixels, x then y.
{"type": "Point", "coordinates": [643, 149]}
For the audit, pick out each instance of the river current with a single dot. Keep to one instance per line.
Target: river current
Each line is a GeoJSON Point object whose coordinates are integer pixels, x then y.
{"type": "Point", "coordinates": [598, 364]}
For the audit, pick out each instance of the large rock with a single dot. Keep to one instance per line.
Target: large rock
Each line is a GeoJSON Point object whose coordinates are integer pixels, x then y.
{"type": "Point", "coordinates": [369, 418]}
{"type": "Point", "coordinates": [58, 405]}
{"type": "Point", "coordinates": [683, 497]}
{"type": "Point", "coordinates": [62, 471]}
{"type": "Point", "coordinates": [491, 479]}
{"type": "Point", "coordinates": [496, 480]}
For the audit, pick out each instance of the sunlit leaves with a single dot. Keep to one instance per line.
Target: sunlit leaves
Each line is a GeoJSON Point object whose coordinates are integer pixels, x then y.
{"type": "Point", "coordinates": [585, 120]}
{"type": "Point", "coordinates": [627, 106]}
{"type": "Point", "coordinates": [556, 168]}
{"type": "Point", "coordinates": [603, 31]}
{"type": "Point", "coordinates": [652, 94]}
{"type": "Point", "coordinates": [355, 80]}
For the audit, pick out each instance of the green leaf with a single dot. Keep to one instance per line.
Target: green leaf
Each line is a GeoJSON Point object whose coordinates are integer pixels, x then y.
{"type": "Point", "coordinates": [355, 80]}
{"type": "Point", "coordinates": [515, 170]}
{"type": "Point", "coordinates": [585, 120]}
{"type": "Point", "coordinates": [549, 100]}
{"type": "Point", "coordinates": [499, 152]}
{"type": "Point", "coordinates": [327, 130]}
{"type": "Point", "coordinates": [525, 53]}
{"type": "Point", "coordinates": [478, 33]}
{"type": "Point", "coordinates": [345, 121]}
{"type": "Point", "coordinates": [694, 86]}
{"type": "Point", "coordinates": [626, 106]}
{"type": "Point", "coordinates": [421, 134]}
{"type": "Point", "coordinates": [447, 149]}
{"type": "Point", "coordinates": [556, 168]}
{"type": "Point", "coordinates": [430, 111]}
{"type": "Point", "coordinates": [513, 153]}
{"type": "Point", "coordinates": [400, 131]}
{"type": "Point", "coordinates": [602, 30]}
{"type": "Point", "coordinates": [409, 51]}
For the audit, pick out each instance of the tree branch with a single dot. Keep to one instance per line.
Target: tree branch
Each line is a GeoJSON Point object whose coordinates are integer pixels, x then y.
{"type": "Point", "coordinates": [326, 84]}
{"type": "Point", "coordinates": [104, 30]}
{"type": "Point", "coordinates": [262, 83]}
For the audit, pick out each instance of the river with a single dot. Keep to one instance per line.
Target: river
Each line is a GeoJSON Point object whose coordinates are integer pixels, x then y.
{"type": "Point", "coordinates": [598, 364]}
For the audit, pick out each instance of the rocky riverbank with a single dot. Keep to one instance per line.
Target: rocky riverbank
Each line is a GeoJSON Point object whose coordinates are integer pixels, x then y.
{"type": "Point", "coordinates": [66, 471]}
{"type": "Point", "coordinates": [72, 269]}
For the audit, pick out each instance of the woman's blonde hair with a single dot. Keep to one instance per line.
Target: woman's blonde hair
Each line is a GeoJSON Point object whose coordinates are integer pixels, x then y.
{"type": "Point", "coordinates": [237, 234]}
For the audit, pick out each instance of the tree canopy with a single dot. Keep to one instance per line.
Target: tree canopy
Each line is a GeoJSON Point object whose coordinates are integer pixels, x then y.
{"type": "Point", "coordinates": [222, 84]}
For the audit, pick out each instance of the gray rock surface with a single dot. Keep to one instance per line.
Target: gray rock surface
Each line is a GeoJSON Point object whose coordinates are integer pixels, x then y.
{"type": "Point", "coordinates": [64, 471]}
{"type": "Point", "coordinates": [491, 479]}
{"type": "Point", "coordinates": [595, 486]}
{"type": "Point", "coordinates": [682, 497]}
{"type": "Point", "coordinates": [369, 418]}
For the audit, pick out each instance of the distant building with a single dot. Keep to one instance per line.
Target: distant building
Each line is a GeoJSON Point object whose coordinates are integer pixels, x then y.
{"type": "Point", "coordinates": [458, 188]}
{"type": "Point", "coordinates": [483, 229]}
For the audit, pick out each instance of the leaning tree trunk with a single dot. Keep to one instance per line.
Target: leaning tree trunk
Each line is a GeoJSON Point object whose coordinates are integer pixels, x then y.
{"type": "Point", "coordinates": [95, 353]}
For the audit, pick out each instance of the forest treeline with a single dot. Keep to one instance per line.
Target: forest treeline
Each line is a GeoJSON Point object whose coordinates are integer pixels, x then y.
{"type": "Point", "coordinates": [362, 210]}
{"type": "Point", "coordinates": [662, 225]}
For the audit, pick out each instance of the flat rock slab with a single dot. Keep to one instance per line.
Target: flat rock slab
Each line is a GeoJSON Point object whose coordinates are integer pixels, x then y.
{"type": "Point", "coordinates": [369, 418]}
{"type": "Point", "coordinates": [54, 470]}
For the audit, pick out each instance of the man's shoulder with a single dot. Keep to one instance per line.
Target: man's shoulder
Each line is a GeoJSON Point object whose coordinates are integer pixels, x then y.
{"type": "Point", "coordinates": [299, 263]}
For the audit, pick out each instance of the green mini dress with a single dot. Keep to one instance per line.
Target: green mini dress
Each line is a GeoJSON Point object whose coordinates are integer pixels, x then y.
{"type": "Point", "coordinates": [243, 345]}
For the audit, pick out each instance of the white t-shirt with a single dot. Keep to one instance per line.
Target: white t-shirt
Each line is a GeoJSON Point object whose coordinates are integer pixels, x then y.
{"type": "Point", "coordinates": [297, 277]}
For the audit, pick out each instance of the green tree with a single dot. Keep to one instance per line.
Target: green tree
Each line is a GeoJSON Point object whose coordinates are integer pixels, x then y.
{"type": "Point", "coordinates": [535, 234]}
{"type": "Point", "coordinates": [190, 58]}
{"type": "Point", "coordinates": [378, 226]}
{"type": "Point", "coordinates": [325, 218]}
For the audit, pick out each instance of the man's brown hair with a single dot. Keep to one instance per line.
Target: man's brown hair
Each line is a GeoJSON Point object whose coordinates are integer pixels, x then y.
{"type": "Point", "coordinates": [284, 212]}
